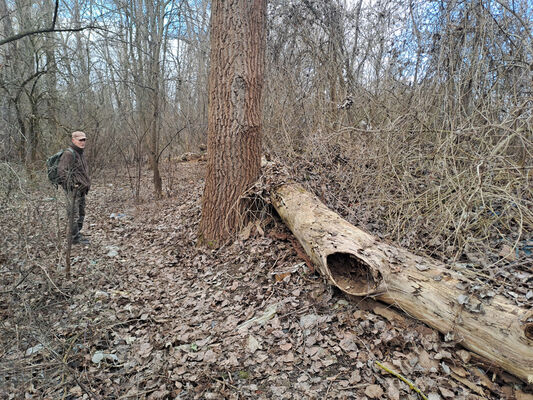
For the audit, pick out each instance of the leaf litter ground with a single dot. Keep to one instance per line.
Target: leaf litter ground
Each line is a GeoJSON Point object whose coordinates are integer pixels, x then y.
{"type": "Point", "coordinates": [149, 315]}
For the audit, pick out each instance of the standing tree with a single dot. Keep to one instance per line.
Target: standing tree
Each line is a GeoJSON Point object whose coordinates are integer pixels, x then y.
{"type": "Point", "coordinates": [238, 32]}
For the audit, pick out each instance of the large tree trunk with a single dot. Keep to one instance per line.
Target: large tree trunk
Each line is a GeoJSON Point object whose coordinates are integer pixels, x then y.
{"type": "Point", "coordinates": [238, 31]}
{"type": "Point", "coordinates": [360, 265]}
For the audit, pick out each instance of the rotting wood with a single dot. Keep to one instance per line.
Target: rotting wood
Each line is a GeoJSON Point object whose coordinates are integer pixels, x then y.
{"type": "Point", "coordinates": [361, 265]}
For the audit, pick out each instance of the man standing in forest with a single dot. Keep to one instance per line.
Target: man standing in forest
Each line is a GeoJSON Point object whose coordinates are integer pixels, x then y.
{"type": "Point", "coordinates": [73, 175]}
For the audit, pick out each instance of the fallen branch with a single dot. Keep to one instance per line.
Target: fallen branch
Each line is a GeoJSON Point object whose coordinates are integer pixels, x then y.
{"type": "Point", "coordinates": [358, 264]}
{"type": "Point", "coordinates": [400, 377]}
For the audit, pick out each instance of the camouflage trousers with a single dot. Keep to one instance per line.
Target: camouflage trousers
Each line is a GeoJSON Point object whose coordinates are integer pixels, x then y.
{"type": "Point", "coordinates": [75, 211]}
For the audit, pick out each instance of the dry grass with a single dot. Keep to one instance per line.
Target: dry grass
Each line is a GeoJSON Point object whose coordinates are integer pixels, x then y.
{"type": "Point", "coordinates": [459, 191]}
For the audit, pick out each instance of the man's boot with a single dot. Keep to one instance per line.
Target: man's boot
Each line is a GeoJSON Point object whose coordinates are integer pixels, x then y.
{"type": "Point", "coordinates": [80, 239]}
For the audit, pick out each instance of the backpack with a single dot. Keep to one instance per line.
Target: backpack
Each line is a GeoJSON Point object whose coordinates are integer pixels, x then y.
{"type": "Point", "coordinates": [51, 166]}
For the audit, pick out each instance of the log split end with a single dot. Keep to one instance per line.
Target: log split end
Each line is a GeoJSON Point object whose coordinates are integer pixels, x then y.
{"type": "Point", "coordinates": [353, 275]}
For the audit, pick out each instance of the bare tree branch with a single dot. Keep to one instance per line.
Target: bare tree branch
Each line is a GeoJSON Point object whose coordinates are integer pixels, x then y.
{"type": "Point", "coordinates": [47, 30]}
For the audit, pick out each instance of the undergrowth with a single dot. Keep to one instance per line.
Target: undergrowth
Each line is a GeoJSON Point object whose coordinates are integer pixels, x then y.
{"type": "Point", "coordinates": [462, 194]}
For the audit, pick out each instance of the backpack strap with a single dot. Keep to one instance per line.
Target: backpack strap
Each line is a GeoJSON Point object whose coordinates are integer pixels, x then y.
{"type": "Point", "coordinates": [72, 151]}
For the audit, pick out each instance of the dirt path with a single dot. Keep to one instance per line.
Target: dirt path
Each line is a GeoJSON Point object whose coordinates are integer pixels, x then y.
{"type": "Point", "coordinates": [149, 315]}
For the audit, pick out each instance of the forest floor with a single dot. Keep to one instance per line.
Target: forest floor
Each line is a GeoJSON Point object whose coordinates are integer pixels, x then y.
{"type": "Point", "coordinates": [147, 314]}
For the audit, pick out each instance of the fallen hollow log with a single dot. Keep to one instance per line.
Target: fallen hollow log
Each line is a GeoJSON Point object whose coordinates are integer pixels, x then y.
{"type": "Point", "coordinates": [360, 265]}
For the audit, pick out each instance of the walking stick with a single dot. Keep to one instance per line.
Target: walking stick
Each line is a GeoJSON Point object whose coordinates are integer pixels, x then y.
{"type": "Point", "coordinates": [70, 222]}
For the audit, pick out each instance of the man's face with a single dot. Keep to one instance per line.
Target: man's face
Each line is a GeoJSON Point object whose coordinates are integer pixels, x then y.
{"type": "Point", "coordinates": [79, 142]}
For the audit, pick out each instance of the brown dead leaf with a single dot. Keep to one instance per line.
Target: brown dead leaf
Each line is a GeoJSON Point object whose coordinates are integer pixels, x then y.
{"type": "Point", "coordinates": [348, 344]}
{"type": "Point", "coordinates": [285, 346]}
{"type": "Point", "coordinates": [523, 396]}
{"type": "Point", "coordinates": [76, 391]}
{"type": "Point", "coordinates": [389, 314]}
{"type": "Point", "coordinates": [282, 276]}
{"type": "Point", "coordinates": [210, 356]}
{"type": "Point", "coordinates": [392, 391]}
{"type": "Point", "coordinates": [447, 393]}
{"type": "Point", "coordinates": [374, 391]}
{"type": "Point", "coordinates": [508, 253]}
{"type": "Point", "coordinates": [145, 350]}
{"type": "Point", "coordinates": [278, 235]}
{"type": "Point", "coordinates": [287, 358]}
{"type": "Point", "coordinates": [312, 351]}
{"type": "Point", "coordinates": [259, 229]}
{"type": "Point", "coordinates": [245, 233]}
{"type": "Point", "coordinates": [359, 314]}
{"type": "Point", "coordinates": [231, 361]}
{"type": "Point", "coordinates": [159, 394]}
{"type": "Point", "coordinates": [459, 371]}
{"type": "Point", "coordinates": [252, 344]}
{"type": "Point", "coordinates": [425, 360]}
{"type": "Point", "coordinates": [465, 355]}
{"type": "Point", "coordinates": [261, 356]}
{"type": "Point", "coordinates": [388, 365]}
{"type": "Point", "coordinates": [355, 377]}
{"type": "Point", "coordinates": [484, 379]}
{"type": "Point", "coordinates": [472, 386]}
{"type": "Point", "coordinates": [507, 392]}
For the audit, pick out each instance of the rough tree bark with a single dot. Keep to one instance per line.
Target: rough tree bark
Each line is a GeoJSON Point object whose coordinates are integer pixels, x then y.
{"type": "Point", "coordinates": [360, 265]}
{"type": "Point", "coordinates": [238, 30]}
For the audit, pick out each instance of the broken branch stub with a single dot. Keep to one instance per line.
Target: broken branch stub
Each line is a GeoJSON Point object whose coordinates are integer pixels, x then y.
{"type": "Point", "coordinates": [359, 264]}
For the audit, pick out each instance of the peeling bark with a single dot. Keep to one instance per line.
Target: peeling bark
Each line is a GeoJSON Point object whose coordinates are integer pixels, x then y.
{"type": "Point", "coordinates": [361, 265]}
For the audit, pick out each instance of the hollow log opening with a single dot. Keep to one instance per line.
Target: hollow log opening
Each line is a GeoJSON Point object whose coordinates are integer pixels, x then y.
{"type": "Point", "coordinates": [528, 331]}
{"type": "Point", "coordinates": [353, 275]}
